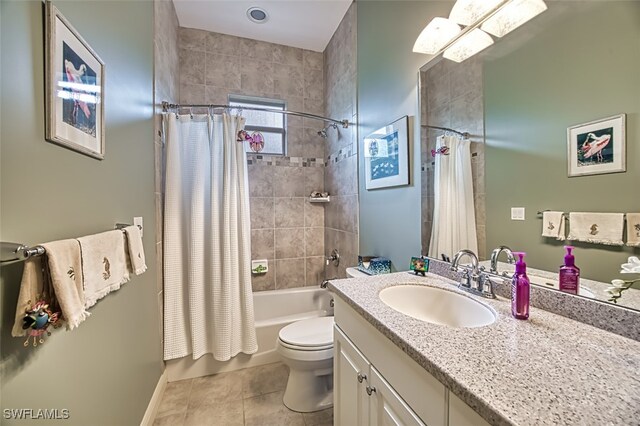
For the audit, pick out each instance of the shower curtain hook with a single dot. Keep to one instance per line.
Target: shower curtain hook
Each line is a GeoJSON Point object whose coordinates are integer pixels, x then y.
{"type": "Point", "coordinates": [191, 113]}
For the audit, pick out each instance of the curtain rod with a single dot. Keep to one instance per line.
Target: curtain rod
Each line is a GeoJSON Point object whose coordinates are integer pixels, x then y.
{"type": "Point", "coordinates": [447, 129]}
{"type": "Point", "coordinates": [166, 106]}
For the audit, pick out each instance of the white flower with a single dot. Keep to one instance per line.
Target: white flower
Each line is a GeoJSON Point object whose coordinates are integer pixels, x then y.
{"type": "Point", "coordinates": [615, 291]}
{"type": "Point", "coordinates": [632, 267]}
{"type": "Point", "coordinates": [618, 283]}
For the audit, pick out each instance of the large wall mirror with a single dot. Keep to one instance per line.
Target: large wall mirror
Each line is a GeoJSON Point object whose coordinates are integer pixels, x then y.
{"type": "Point", "coordinates": [575, 63]}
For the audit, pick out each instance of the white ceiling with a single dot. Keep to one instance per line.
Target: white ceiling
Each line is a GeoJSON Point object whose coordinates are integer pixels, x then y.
{"type": "Point", "coordinates": [307, 24]}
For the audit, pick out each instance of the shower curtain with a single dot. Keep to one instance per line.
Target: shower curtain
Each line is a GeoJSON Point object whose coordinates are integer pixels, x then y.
{"type": "Point", "coordinates": [208, 303]}
{"type": "Point", "coordinates": [454, 219]}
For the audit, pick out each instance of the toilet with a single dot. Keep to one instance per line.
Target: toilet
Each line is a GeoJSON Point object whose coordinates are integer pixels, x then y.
{"type": "Point", "coordinates": [306, 347]}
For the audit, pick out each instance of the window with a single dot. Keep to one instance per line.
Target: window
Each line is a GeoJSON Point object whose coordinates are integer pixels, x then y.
{"type": "Point", "coordinates": [272, 125]}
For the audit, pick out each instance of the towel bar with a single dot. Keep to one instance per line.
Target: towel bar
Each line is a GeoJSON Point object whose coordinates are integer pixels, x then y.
{"type": "Point", "coordinates": [566, 215]}
{"type": "Point", "coordinates": [16, 252]}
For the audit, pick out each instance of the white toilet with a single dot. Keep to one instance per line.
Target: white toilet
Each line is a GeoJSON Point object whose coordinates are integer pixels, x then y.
{"type": "Point", "coordinates": [306, 348]}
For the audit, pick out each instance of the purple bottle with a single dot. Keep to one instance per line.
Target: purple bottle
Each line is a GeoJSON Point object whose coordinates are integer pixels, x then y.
{"type": "Point", "coordinates": [520, 289]}
{"type": "Point", "coordinates": [569, 279]}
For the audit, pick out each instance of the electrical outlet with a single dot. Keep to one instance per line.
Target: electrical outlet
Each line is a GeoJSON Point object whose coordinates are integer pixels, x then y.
{"type": "Point", "coordinates": [517, 213]}
{"type": "Point", "coordinates": [138, 221]}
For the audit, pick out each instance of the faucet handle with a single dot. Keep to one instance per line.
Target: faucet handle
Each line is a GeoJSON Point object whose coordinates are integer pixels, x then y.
{"type": "Point", "coordinates": [485, 286]}
{"type": "Point", "coordinates": [465, 281]}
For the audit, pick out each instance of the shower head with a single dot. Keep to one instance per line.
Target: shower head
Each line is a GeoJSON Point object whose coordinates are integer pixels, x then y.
{"type": "Point", "coordinates": [323, 132]}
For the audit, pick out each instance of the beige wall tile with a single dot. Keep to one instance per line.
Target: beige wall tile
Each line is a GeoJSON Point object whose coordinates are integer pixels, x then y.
{"type": "Point", "coordinates": [262, 244]}
{"type": "Point", "coordinates": [313, 88]}
{"type": "Point", "coordinates": [287, 55]}
{"type": "Point", "coordinates": [312, 60]}
{"type": "Point", "coordinates": [192, 93]}
{"type": "Point", "coordinates": [256, 49]}
{"type": "Point", "coordinates": [314, 270]}
{"type": "Point", "coordinates": [313, 242]}
{"type": "Point", "coordinates": [257, 78]}
{"type": "Point", "coordinates": [260, 180]}
{"type": "Point", "coordinates": [266, 281]}
{"type": "Point", "coordinates": [290, 243]}
{"type": "Point", "coordinates": [222, 44]}
{"type": "Point", "coordinates": [313, 179]}
{"type": "Point", "coordinates": [223, 71]}
{"type": "Point", "coordinates": [313, 214]}
{"type": "Point", "coordinates": [262, 213]}
{"type": "Point", "coordinates": [289, 212]}
{"type": "Point", "coordinates": [288, 181]}
{"type": "Point", "coordinates": [290, 273]}
{"type": "Point", "coordinates": [190, 38]}
{"type": "Point", "coordinates": [192, 70]}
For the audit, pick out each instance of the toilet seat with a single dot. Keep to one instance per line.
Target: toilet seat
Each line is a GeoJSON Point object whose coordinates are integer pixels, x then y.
{"type": "Point", "coordinates": [312, 334]}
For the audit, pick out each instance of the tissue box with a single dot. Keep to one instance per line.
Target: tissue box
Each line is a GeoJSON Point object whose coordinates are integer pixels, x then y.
{"type": "Point", "coordinates": [374, 265]}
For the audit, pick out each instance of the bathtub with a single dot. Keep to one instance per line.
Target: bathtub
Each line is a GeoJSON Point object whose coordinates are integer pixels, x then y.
{"type": "Point", "coordinates": [273, 310]}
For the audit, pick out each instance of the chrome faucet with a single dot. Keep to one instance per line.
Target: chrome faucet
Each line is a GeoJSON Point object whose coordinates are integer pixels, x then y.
{"type": "Point", "coordinates": [474, 280]}
{"type": "Point", "coordinates": [494, 258]}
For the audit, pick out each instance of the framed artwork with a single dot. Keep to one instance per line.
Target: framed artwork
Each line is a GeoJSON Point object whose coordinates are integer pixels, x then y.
{"type": "Point", "coordinates": [597, 147]}
{"type": "Point", "coordinates": [74, 88]}
{"type": "Point", "coordinates": [386, 155]}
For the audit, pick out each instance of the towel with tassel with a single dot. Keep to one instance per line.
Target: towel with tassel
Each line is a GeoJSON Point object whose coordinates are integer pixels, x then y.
{"type": "Point", "coordinates": [104, 264]}
{"type": "Point", "coordinates": [57, 278]}
{"type": "Point", "coordinates": [32, 287]}
{"type": "Point", "coordinates": [553, 225]}
{"type": "Point", "coordinates": [136, 249]}
{"type": "Point", "coordinates": [597, 228]}
{"type": "Point", "coordinates": [633, 229]}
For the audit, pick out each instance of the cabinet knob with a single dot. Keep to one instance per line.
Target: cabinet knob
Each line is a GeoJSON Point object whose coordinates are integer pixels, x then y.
{"type": "Point", "coordinates": [361, 377]}
{"type": "Point", "coordinates": [370, 390]}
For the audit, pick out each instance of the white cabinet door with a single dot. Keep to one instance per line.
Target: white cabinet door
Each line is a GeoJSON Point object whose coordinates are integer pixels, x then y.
{"type": "Point", "coordinates": [460, 414]}
{"type": "Point", "coordinates": [386, 407]}
{"type": "Point", "coordinates": [350, 371]}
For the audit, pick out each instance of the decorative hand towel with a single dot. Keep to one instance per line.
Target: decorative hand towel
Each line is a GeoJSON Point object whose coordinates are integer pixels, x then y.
{"type": "Point", "coordinates": [64, 267]}
{"type": "Point", "coordinates": [633, 229]}
{"type": "Point", "coordinates": [597, 228]}
{"type": "Point", "coordinates": [136, 250]}
{"type": "Point", "coordinates": [32, 288]}
{"type": "Point", "coordinates": [553, 225]}
{"type": "Point", "coordinates": [104, 264]}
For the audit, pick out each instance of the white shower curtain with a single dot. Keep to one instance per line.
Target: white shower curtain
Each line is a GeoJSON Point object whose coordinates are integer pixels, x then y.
{"type": "Point", "coordinates": [454, 219]}
{"type": "Point", "coordinates": [208, 304]}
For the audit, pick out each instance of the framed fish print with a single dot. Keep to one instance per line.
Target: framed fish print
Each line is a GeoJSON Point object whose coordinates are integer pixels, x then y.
{"type": "Point", "coordinates": [74, 88]}
{"type": "Point", "coordinates": [386, 155]}
{"type": "Point", "coordinates": [597, 147]}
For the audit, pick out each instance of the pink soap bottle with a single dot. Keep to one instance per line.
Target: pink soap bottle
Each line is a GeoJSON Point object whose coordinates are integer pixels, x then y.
{"type": "Point", "coordinates": [520, 289]}
{"type": "Point", "coordinates": [569, 280]}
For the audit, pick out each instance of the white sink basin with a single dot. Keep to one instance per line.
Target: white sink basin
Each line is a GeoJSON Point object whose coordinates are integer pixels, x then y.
{"type": "Point", "coordinates": [437, 306]}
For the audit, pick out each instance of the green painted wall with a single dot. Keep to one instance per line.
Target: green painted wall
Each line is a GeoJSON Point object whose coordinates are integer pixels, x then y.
{"type": "Point", "coordinates": [105, 371]}
{"type": "Point", "coordinates": [388, 90]}
{"type": "Point", "coordinates": [582, 69]}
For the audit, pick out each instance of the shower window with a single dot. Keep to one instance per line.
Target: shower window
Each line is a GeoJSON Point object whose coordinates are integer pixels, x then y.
{"type": "Point", "coordinates": [273, 126]}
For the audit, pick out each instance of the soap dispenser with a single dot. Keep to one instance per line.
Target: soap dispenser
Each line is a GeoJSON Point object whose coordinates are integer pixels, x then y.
{"type": "Point", "coordinates": [520, 288]}
{"type": "Point", "coordinates": [569, 279]}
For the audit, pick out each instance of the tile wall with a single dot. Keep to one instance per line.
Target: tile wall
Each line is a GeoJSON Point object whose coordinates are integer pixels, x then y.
{"type": "Point", "coordinates": [286, 229]}
{"type": "Point", "coordinates": [452, 96]}
{"type": "Point", "coordinates": [341, 148]}
{"type": "Point", "coordinates": [166, 87]}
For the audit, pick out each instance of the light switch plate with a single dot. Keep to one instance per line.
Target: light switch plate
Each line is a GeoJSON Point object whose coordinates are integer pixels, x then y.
{"type": "Point", "coordinates": [138, 221]}
{"type": "Point", "coordinates": [517, 213]}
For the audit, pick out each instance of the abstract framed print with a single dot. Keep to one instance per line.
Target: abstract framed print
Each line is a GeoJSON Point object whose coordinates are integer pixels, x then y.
{"type": "Point", "coordinates": [386, 155]}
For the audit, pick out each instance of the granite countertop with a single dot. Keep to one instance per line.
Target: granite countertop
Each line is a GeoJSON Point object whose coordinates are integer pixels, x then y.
{"type": "Point", "coordinates": [629, 299]}
{"type": "Point", "coordinates": [549, 370]}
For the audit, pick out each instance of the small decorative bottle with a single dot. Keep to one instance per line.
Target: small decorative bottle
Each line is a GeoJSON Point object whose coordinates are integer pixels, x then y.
{"type": "Point", "coordinates": [569, 279]}
{"type": "Point", "coordinates": [520, 288]}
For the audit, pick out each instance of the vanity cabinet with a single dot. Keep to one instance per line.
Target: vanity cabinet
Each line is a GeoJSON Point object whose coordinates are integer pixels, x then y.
{"type": "Point", "coordinates": [376, 383]}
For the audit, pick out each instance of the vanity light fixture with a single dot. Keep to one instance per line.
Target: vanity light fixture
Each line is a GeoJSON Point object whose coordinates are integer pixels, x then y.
{"type": "Point", "coordinates": [497, 17]}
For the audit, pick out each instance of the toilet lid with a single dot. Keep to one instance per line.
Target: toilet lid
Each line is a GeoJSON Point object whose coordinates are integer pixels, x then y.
{"type": "Point", "coordinates": [311, 332]}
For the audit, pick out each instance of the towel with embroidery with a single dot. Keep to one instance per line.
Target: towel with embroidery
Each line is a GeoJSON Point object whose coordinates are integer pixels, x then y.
{"type": "Point", "coordinates": [596, 228]}
{"type": "Point", "coordinates": [104, 264]}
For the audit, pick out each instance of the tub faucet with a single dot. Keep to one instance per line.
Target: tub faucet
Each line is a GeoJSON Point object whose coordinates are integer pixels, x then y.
{"type": "Point", "coordinates": [474, 280]}
{"type": "Point", "coordinates": [494, 258]}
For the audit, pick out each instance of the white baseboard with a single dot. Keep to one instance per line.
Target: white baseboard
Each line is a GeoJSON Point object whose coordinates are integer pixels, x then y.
{"type": "Point", "coordinates": [154, 403]}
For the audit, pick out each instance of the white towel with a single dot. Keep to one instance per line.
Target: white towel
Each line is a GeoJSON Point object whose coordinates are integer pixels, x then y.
{"type": "Point", "coordinates": [136, 249]}
{"type": "Point", "coordinates": [597, 228]}
{"type": "Point", "coordinates": [64, 267]}
{"type": "Point", "coordinates": [633, 229]}
{"type": "Point", "coordinates": [553, 225]}
{"type": "Point", "coordinates": [32, 287]}
{"type": "Point", "coordinates": [104, 264]}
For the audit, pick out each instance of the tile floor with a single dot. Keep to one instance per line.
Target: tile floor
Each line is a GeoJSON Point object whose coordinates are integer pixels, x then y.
{"type": "Point", "coordinates": [250, 397]}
